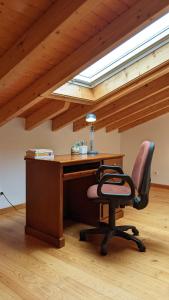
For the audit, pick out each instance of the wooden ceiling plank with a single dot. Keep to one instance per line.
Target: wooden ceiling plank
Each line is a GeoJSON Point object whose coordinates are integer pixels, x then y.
{"type": "Point", "coordinates": [50, 21]}
{"type": "Point", "coordinates": [138, 115]}
{"type": "Point", "coordinates": [117, 116]}
{"type": "Point", "coordinates": [139, 15]}
{"type": "Point", "coordinates": [16, 17]}
{"type": "Point", "coordinates": [116, 103]}
{"type": "Point", "coordinates": [45, 113]}
{"type": "Point", "coordinates": [145, 119]}
{"type": "Point", "coordinates": [129, 2]}
{"type": "Point", "coordinates": [118, 6]}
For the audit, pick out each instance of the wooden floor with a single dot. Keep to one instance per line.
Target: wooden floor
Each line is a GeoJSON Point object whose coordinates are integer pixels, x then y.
{"type": "Point", "coordinates": [30, 269]}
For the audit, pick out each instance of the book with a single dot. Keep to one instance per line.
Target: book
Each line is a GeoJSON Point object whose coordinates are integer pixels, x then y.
{"type": "Point", "coordinates": [33, 151]}
{"type": "Point", "coordinates": [50, 157]}
{"type": "Point", "coordinates": [40, 153]}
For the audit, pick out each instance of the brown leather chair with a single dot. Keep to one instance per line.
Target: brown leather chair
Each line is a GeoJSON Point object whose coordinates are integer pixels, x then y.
{"type": "Point", "coordinates": [133, 191]}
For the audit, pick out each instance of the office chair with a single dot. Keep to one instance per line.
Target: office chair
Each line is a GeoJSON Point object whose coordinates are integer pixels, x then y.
{"type": "Point", "coordinates": [133, 191]}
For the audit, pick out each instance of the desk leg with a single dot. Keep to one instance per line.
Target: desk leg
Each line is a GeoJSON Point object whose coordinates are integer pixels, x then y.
{"type": "Point", "coordinates": [44, 201]}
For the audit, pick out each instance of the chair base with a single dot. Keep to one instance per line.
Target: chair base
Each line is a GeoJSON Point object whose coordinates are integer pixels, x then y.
{"type": "Point", "coordinates": [108, 233]}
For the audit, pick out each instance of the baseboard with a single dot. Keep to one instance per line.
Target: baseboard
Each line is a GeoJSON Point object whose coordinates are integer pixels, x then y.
{"type": "Point", "coordinates": [58, 242]}
{"type": "Point", "coordinates": [10, 208]}
{"type": "Point", "coordinates": [159, 185]}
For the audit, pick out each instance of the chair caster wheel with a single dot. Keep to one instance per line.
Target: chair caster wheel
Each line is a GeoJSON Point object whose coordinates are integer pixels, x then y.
{"type": "Point", "coordinates": [103, 250]}
{"type": "Point", "coordinates": [135, 231]}
{"type": "Point", "coordinates": [142, 248]}
{"type": "Point", "coordinates": [83, 237]}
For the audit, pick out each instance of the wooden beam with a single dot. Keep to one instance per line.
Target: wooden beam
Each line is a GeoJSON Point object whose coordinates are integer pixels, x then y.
{"type": "Point", "coordinates": [138, 115]}
{"type": "Point", "coordinates": [52, 20]}
{"type": "Point", "coordinates": [69, 99]}
{"type": "Point", "coordinates": [117, 116]}
{"type": "Point", "coordinates": [45, 113]}
{"type": "Point", "coordinates": [69, 116]}
{"type": "Point", "coordinates": [131, 96]}
{"type": "Point", "coordinates": [145, 119]}
{"type": "Point", "coordinates": [112, 35]}
{"type": "Point", "coordinates": [75, 91]}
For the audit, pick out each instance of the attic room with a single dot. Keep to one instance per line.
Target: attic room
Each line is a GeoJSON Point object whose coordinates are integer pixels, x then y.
{"type": "Point", "coordinates": [84, 118]}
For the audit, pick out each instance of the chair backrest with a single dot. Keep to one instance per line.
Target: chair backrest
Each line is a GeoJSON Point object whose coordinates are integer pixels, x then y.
{"type": "Point", "coordinates": [141, 171]}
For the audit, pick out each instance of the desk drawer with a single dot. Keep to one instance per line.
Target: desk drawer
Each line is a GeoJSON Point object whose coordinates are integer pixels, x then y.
{"type": "Point", "coordinates": [79, 174]}
{"type": "Point", "coordinates": [114, 161]}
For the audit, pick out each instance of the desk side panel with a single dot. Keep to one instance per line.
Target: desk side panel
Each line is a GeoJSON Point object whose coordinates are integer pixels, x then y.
{"type": "Point", "coordinates": [44, 201]}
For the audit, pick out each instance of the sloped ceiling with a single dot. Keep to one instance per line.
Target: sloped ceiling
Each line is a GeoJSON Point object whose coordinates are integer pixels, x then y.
{"type": "Point", "coordinates": [45, 43]}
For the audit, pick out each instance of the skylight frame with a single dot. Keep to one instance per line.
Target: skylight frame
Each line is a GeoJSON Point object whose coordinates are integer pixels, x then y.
{"type": "Point", "coordinates": [122, 66]}
{"type": "Point", "coordinates": [163, 35]}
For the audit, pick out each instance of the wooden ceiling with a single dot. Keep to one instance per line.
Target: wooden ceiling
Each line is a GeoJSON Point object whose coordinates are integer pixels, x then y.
{"type": "Point", "coordinates": [45, 43]}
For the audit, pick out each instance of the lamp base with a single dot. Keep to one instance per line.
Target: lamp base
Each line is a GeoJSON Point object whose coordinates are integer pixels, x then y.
{"type": "Point", "coordinates": [92, 152]}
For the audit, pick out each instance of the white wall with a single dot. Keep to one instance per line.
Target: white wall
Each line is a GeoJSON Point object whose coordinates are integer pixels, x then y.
{"type": "Point", "coordinates": [156, 130]}
{"type": "Point", "coordinates": [14, 141]}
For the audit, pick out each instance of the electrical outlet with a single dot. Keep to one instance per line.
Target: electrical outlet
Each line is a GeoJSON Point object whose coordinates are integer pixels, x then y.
{"type": "Point", "coordinates": [156, 172]}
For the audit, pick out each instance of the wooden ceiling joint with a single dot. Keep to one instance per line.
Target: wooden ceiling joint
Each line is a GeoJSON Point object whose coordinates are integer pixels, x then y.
{"type": "Point", "coordinates": [138, 115]}
{"type": "Point", "coordinates": [142, 88]}
{"type": "Point", "coordinates": [145, 119]}
{"type": "Point", "coordinates": [69, 116]}
{"type": "Point", "coordinates": [129, 110]}
{"type": "Point", "coordinates": [46, 112]}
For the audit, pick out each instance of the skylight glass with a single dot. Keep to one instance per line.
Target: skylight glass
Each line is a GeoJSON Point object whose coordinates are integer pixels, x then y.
{"type": "Point", "coordinates": [144, 42]}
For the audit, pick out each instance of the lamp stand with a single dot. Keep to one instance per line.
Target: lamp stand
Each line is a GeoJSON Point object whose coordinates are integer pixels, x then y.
{"type": "Point", "coordinates": [91, 143]}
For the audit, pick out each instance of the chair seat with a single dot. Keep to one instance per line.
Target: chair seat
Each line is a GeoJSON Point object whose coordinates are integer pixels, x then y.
{"type": "Point", "coordinates": [109, 189]}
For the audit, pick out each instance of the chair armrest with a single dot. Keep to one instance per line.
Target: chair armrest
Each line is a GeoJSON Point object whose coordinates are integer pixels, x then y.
{"type": "Point", "coordinates": [124, 178]}
{"type": "Point", "coordinates": [102, 168]}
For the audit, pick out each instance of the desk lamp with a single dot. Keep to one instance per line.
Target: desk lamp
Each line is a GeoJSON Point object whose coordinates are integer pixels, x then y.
{"type": "Point", "coordinates": [91, 118]}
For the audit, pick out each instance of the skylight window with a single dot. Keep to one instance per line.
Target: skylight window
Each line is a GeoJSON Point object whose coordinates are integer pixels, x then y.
{"type": "Point", "coordinates": [140, 45]}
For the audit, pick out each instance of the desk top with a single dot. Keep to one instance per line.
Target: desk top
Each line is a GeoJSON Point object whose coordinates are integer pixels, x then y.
{"type": "Point", "coordinates": [68, 159]}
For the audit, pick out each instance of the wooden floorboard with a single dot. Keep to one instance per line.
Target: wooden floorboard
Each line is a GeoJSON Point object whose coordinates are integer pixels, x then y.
{"type": "Point", "coordinates": [31, 269]}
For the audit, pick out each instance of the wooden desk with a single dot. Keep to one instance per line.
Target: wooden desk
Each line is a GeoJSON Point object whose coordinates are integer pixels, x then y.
{"type": "Point", "coordinates": [55, 186]}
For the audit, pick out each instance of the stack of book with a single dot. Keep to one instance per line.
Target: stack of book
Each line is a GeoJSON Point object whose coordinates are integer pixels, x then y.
{"type": "Point", "coordinates": [40, 153]}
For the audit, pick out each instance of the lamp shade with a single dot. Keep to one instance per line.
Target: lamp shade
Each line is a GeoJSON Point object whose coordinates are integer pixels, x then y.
{"type": "Point", "coordinates": [90, 118]}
